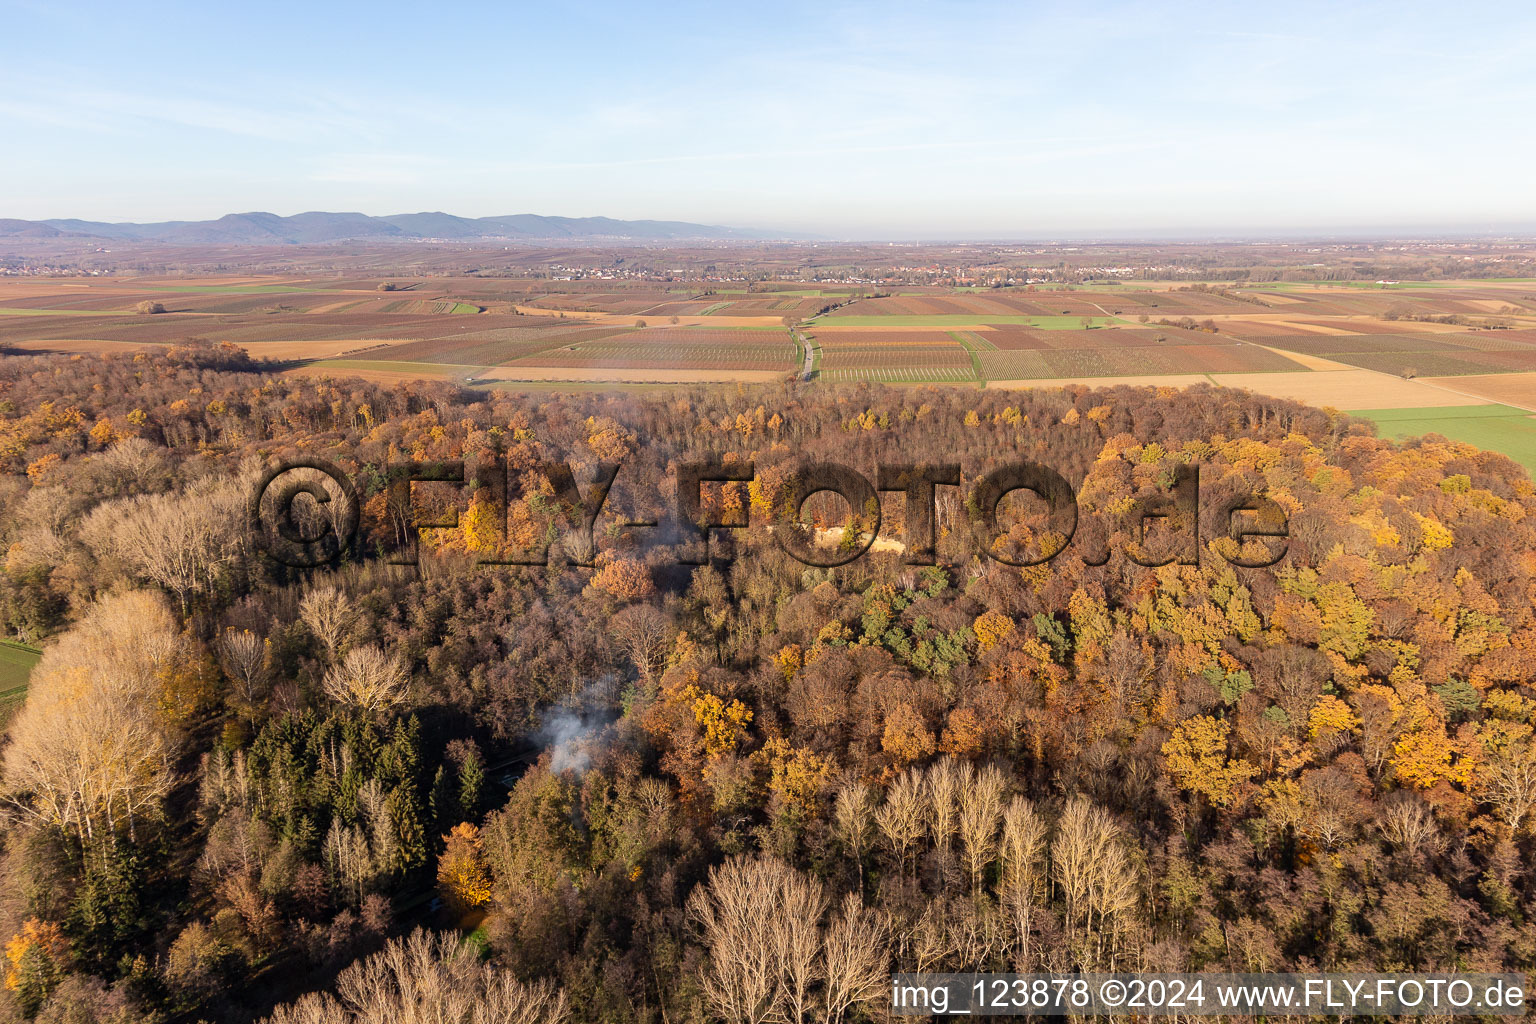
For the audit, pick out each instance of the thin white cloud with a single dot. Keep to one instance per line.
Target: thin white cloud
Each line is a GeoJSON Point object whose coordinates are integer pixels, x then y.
{"type": "Point", "coordinates": [118, 112]}
{"type": "Point", "coordinates": [377, 169]}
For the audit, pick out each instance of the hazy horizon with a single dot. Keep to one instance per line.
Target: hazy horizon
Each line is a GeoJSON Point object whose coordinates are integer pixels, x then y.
{"type": "Point", "coordinates": [871, 122]}
{"type": "Point", "coordinates": [1148, 236]}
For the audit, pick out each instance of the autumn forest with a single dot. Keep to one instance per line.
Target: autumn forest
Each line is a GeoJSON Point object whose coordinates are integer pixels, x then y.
{"type": "Point", "coordinates": [654, 780]}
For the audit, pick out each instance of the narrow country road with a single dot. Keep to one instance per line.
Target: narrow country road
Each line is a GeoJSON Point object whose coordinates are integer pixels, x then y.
{"type": "Point", "coordinates": [810, 356]}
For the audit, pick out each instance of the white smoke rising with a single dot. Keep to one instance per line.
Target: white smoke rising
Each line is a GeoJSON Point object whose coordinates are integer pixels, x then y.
{"type": "Point", "coordinates": [565, 734]}
{"type": "Point", "coordinates": [570, 733]}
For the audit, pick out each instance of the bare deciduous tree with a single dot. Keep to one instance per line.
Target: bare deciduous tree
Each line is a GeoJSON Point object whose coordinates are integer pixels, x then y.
{"type": "Point", "coordinates": [946, 780]}
{"type": "Point", "coordinates": [857, 958]}
{"type": "Point", "coordinates": [734, 910]}
{"type": "Point", "coordinates": [244, 656]}
{"type": "Point", "coordinates": [1024, 871]}
{"type": "Point", "coordinates": [1509, 781]}
{"type": "Point", "coordinates": [1092, 870]}
{"type": "Point", "coordinates": [981, 808]}
{"type": "Point", "coordinates": [358, 855]}
{"type": "Point", "coordinates": [901, 818]}
{"type": "Point", "coordinates": [330, 616]}
{"type": "Point", "coordinates": [853, 819]}
{"type": "Point", "coordinates": [769, 957]}
{"type": "Point", "coordinates": [955, 934]}
{"type": "Point", "coordinates": [367, 678]}
{"type": "Point", "coordinates": [314, 517]}
{"type": "Point", "coordinates": [641, 630]}
{"type": "Point", "coordinates": [1408, 824]}
{"type": "Point", "coordinates": [796, 939]}
{"type": "Point", "coordinates": [427, 979]}
{"type": "Point", "coordinates": [179, 540]}
{"type": "Point", "coordinates": [89, 751]}
{"type": "Point", "coordinates": [131, 465]}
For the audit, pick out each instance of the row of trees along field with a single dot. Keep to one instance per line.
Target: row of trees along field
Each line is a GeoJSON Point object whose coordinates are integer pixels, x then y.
{"type": "Point", "coordinates": [758, 786]}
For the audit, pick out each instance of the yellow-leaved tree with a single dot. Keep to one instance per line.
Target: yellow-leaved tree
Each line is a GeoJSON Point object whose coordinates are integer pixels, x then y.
{"type": "Point", "coordinates": [36, 961]}
{"type": "Point", "coordinates": [463, 880]}
{"type": "Point", "coordinates": [992, 628]}
{"type": "Point", "coordinates": [1197, 758]}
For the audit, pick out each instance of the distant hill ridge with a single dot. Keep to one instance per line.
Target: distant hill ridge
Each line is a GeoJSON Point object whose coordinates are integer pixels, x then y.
{"type": "Point", "coordinates": [270, 229]}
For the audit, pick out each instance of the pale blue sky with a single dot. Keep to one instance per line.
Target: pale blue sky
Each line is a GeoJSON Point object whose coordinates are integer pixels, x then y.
{"type": "Point", "coordinates": [888, 120]}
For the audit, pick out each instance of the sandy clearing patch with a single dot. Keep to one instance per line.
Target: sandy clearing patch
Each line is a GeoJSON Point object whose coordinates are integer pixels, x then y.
{"type": "Point", "coordinates": [377, 376]}
{"type": "Point", "coordinates": [1347, 389]}
{"type": "Point", "coordinates": [1152, 380]}
{"type": "Point", "coordinates": [1422, 327]}
{"type": "Point", "coordinates": [1341, 389]}
{"type": "Point", "coordinates": [1335, 325]}
{"type": "Point", "coordinates": [591, 374]}
{"type": "Point", "coordinates": [1310, 362]}
{"type": "Point", "coordinates": [257, 349]}
{"type": "Point", "coordinates": [1319, 328]}
{"type": "Point", "coordinates": [1258, 318]}
{"type": "Point", "coordinates": [91, 345]}
{"type": "Point", "coordinates": [311, 349]}
{"type": "Point", "coordinates": [832, 536]}
{"type": "Point", "coordinates": [1513, 389]}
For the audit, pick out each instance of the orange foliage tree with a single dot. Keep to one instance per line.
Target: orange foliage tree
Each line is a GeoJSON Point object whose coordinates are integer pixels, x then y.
{"type": "Point", "coordinates": [463, 880]}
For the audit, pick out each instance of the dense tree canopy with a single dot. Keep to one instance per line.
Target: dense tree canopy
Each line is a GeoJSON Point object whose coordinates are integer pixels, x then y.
{"type": "Point", "coordinates": [744, 788]}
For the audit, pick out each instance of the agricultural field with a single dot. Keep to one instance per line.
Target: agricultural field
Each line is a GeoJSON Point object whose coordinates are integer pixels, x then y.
{"type": "Point", "coordinates": [16, 663]}
{"type": "Point", "coordinates": [677, 348]}
{"type": "Point", "coordinates": [1405, 345]}
{"type": "Point", "coordinates": [494, 347]}
{"type": "Point", "coordinates": [1516, 389]}
{"type": "Point", "coordinates": [1133, 361]}
{"type": "Point", "coordinates": [969, 320]}
{"type": "Point", "coordinates": [1494, 427]}
{"type": "Point", "coordinates": [950, 362]}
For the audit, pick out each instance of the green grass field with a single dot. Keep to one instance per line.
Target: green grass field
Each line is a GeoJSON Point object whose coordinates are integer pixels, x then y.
{"type": "Point", "coordinates": [964, 338]}
{"type": "Point", "coordinates": [944, 320]}
{"type": "Point", "coordinates": [975, 341]}
{"type": "Point", "coordinates": [1497, 428]}
{"type": "Point", "coordinates": [16, 662]}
